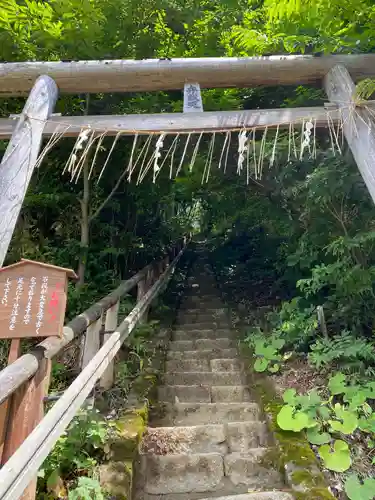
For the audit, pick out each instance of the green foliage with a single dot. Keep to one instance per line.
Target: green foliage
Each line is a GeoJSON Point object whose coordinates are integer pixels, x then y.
{"type": "Point", "coordinates": [76, 454]}
{"type": "Point", "coordinates": [365, 89]}
{"type": "Point", "coordinates": [337, 457]}
{"type": "Point", "coordinates": [324, 419]}
{"type": "Point", "coordinates": [290, 420]}
{"type": "Point", "coordinates": [86, 489]}
{"type": "Point", "coordinates": [344, 350]}
{"type": "Point", "coordinates": [357, 490]}
{"type": "Point", "coordinates": [296, 324]}
{"type": "Point", "coordinates": [266, 351]}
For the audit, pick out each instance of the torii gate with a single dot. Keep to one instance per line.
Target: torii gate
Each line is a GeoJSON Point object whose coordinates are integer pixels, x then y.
{"type": "Point", "coordinates": [44, 79]}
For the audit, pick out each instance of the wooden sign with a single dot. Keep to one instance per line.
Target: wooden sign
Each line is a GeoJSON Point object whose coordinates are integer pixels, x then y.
{"type": "Point", "coordinates": [33, 299]}
{"type": "Point", "coordinates": [192, 98]}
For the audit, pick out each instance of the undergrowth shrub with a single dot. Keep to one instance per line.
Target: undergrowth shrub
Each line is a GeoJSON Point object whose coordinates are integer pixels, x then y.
{"type": "Point", "coordinates": [330, 419]}
{"type": "Point", "coordinates": [345, 351]}
{"type": "Point", "coordinates": [73, 459]}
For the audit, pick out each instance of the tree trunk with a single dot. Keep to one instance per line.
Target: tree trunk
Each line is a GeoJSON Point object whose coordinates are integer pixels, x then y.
{"type": "Point", "coordinates": [85, 225]}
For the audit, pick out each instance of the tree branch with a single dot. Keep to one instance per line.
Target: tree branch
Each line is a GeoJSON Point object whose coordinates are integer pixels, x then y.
{"type": "Point", "coordinates": [103, 204]}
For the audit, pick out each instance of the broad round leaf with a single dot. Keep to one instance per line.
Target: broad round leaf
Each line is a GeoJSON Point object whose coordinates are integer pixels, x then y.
{"type": "Point", "coordinates": [274, 368]}
{"type": "Point", "coordinates": [357, 491]}
{"type": "Point", "coordinates": [289, 396]}
{"type": "Point", "coordinates": [260, 365]}
{"type": "Point", "coordinates": [337, 384]}
{"type": "Point", "coordinates": [316, 437]}
{"type": "Point", "coordinates": [278, 343]}
{"type": "Point", "coordinates": [349, 420]}
{"type": "Point", "coordinates": [290, 420]}
{"type": "Point", "coordinates": [337, 459]}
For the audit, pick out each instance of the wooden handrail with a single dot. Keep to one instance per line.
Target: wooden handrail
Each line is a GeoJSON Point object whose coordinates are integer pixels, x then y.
{"type": "Point", "coordinates": [23, 465]}
{"type": "Point", "coordinates": [16, 374]}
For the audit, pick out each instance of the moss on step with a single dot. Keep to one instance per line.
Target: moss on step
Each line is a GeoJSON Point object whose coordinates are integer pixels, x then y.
{"type": "Point", "coordinates": [117, 475]}
{"type": "Point", "coordinates": [116, 479]}
{"type": "Point", "coordinates": [291, 452]}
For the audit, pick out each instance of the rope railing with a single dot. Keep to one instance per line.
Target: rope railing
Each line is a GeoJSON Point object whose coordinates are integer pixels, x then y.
{"type": "Point", "coordinates": [22, 459]}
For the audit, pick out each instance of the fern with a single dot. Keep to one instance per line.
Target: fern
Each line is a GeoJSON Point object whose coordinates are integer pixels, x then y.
{"type": "Point", "coordinates": [364, 90]}
{"type": "Point", "coordinates": [352, 354]}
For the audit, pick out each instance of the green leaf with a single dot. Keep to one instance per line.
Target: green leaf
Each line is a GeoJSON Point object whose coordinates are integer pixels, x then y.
{"type": "Point", "coordinates": [314, 397]}
{"type": "Point", "coordinates": [324, 412]}
{"type": "Point", "coordinates": [367, 424]}
{"type": "Point", "coordinates": [266, 351]}
{"type": "Point", "coordinates": [336, 384]}
{"type": "Point", "coordinates": [349, 420]}
{"type": "Point", "coordinates": [278, 343]}
{"type": "Point", "coordinates": [289, 396]}
{"type": "Point", "coordinates": [260, 365]}
{"type": "Point", "coordinates": [337, 459]}
{"type": "Point", "coordinates": [316, 437]}
{"type": "Point", "coordinates": [290, 420]}
{"type": "Point", "coordinates": [274, 368]}
{"type": "Point", "coordinates": [357, 491]}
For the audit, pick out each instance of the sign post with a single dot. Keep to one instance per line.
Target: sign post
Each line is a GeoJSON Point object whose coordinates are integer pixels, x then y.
{"type": "Point", "coordinates": [32, 305]}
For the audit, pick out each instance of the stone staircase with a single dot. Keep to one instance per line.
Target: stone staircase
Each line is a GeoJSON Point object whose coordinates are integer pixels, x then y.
{"type": "Point", "coordinates": [210, 441]}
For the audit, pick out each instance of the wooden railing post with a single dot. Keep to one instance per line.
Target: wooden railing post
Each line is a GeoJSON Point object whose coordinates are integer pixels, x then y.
{"type": "Point", "coordinates": [111, 322]}
{"type": "Point", "coordinates": [141, 291]}
{"type": "Point", "coordinates": [91, 344]}
{"type": "Point", "coordinates": [20, 157]}
{"type": "Point", "coordinates": [14, 353]}
{"type": "Point", "coordinates": [25, 412]}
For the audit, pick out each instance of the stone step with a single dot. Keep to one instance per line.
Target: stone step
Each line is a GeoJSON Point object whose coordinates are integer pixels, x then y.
{"type": "Point", "coordinates": [242, 436]}
{"type": "Point", "coordinates": [194, 333]}
{"type": "Point", "coordinates": [204, 354]}
{"type": "Point", "coordinates": [232, 437]}
{"type": "Point", "coordinates": [247, 469]}
{"type": "Point", "coordinates": [198, 344]}
{"type": "Point", "coordinates": [203, 365]}
{"type": "Point", "coordinates": [189, 473]}
{"type": "Point", "coordinates": [184, 393]}
{"type": "Point", "coordinates": [186, 316]}
{"type": "Point", "coordinates": [209, 312]}
{"type": "Point", "coordinates": [203, 393]}
{"type": "Point", "coordinates": [185, 440]}
{"type": "Point", "coordinates": [225, 365]}
{"type": "Point", "coordinates": [187, 365]}
{"type": "Point", "coordinates": [230, 394]}
{"type": "Point", "coordinates": [222, 495]}
{"type": "Point", "coordinates": [189, 413]}
{"type": "Point", "coordinates": [204, 378]}
{"type": "Point", "coordinates": [259, 495]}
{"type": "Point", "coordinates": [203, 302]}
{"type": "Point", "coordinates": [165, 474]}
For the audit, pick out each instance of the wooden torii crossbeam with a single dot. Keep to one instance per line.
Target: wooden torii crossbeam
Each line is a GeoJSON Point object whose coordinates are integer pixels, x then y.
{"type": "Point", "coordinates": [154, 74]}
{"type": "Point", "coordinates": [208, 121]}
{"type": "Point", "coordinates": [337, 71]}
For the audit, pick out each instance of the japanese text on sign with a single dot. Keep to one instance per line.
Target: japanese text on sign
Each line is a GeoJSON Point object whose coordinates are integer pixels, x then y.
{"type": "Point", "coordinates": [42, 301]}
{"type": "Point", "coordinates": [16, 306]}
{"type": "Point", "coordinates": [7, 284]}
{"type": "Point", "coordinates": [31, 293]}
